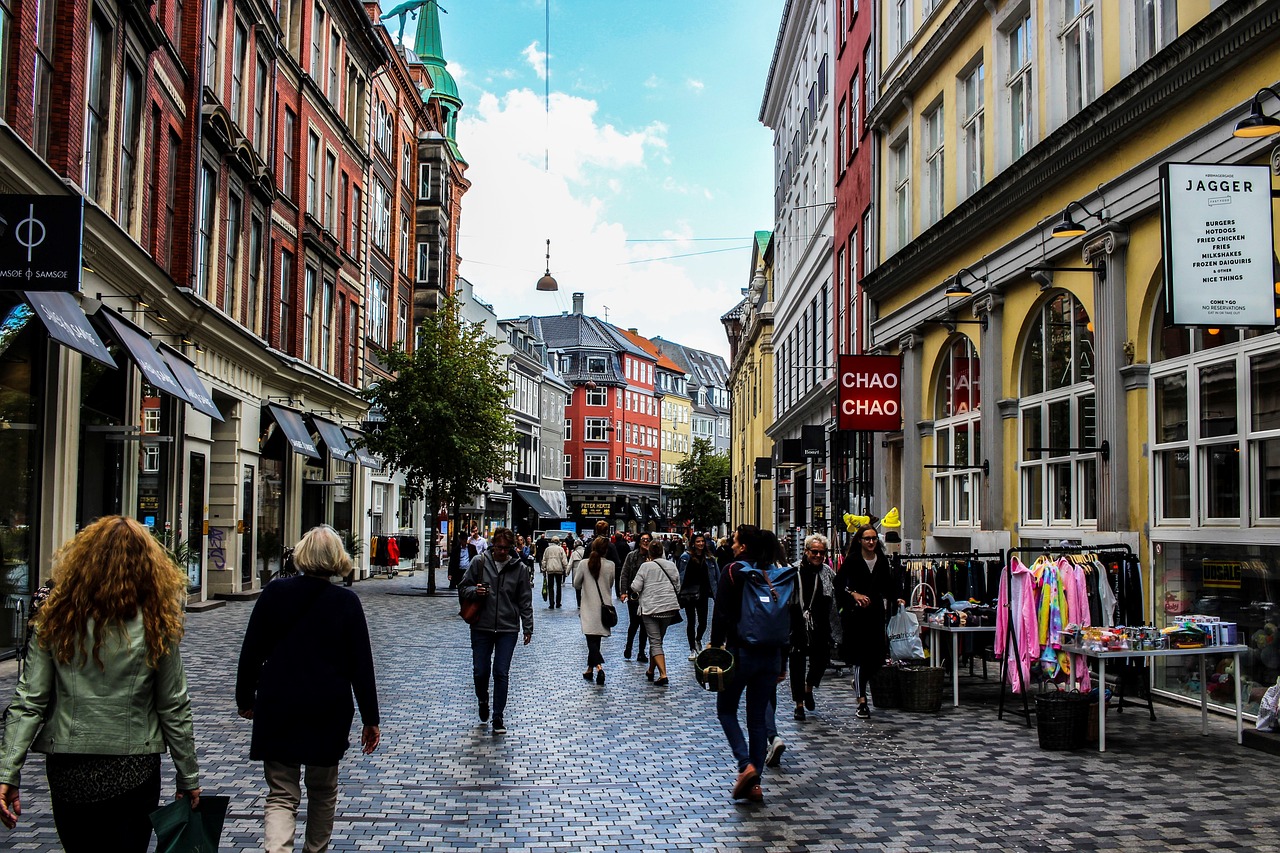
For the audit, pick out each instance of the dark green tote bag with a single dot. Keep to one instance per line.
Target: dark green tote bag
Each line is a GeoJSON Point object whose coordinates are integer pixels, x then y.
{"type": "Point", "coordinates": [181, 829]}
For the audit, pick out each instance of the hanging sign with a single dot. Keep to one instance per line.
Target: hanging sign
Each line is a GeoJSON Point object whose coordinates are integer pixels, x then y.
{"type": "Point", "coordinates": [1217, 236]}
{"type": "Point", "coordinates": [40, 242]}
{"type": "Point", "coordinates": [870, 393]}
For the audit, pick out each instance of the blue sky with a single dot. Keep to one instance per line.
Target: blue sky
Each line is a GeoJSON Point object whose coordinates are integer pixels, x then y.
{"type": "Point", "coordinates": [654, 134]}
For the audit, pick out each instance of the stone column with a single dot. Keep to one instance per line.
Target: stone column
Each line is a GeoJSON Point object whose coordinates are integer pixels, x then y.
{"type": "Point", "coordinates": [912, 508]}
{"type": "Point", "coordinates": [990, 307]}
{"type": "Point", "coordinates": [1108, 251]}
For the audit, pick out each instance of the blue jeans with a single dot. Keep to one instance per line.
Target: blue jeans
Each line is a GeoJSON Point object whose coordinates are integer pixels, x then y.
{"type": "Point", "coordinates": [492, 650]}
{"type": "Point", "coordinates": [756, 672]}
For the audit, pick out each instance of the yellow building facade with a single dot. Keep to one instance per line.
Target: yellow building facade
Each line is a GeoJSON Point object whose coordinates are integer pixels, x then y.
{"type": "Point", "coordinates": [750, 330]}
{"type": "Point", "coordinates": [677, 416]}
{"type": "Point", "coordinates": [1050, 401]}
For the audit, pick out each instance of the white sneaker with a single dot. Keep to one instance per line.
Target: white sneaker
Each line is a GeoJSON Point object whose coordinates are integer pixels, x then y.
{"type": "Point", "coordinates": [773, 755]}
{"type": "Point", "coordinates": [693, 655]}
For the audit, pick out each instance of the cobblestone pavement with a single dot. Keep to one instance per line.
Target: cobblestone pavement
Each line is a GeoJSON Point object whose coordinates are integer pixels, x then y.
{"type": "Point", "coordinates": [631, 766]}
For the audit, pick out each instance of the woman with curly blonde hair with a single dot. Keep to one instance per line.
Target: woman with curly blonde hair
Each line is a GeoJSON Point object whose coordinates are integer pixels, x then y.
{"type": "Point", "coordinates": [104, 691]}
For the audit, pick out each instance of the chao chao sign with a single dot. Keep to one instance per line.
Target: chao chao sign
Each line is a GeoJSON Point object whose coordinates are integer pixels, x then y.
{"type": "Point", "coordinates": [870, 392]}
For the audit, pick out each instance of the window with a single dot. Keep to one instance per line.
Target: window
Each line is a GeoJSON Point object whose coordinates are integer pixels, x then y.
{"type": "Point", "coordinates": [335, 51]}
{"type": "Point", "coordinates": [403, 248]}
{"type": "Point", "coordinates": [381, 211]}
{"type": "Point", "coordinates": [595, 364]}
{"type": "Point", "coordinates": [98, 106]}
{"type": "Point", "coordinates": [855, 115]}
{"type": "Point", "coordinates": [353, 337]}
{"type": "Point", "coordinates": [289, 150]}
{"type": "Point", "coordinates": [313, 173]}
{"type": "Point", "coordinates": [842, 139]}
{"type": "Point", "coordinates": [326, 327]}
{"type": "Point", "coordinates": [330, 189]}
{"type": "Point", "coordinates": [597, 396]}
{"type": "Point", "coordinates": [1155, 26]}
{"type": "Point", "coordinates": [424, 181]}
{"type": "Point", "coordinates": [239, 52]}
{"type": "Point", "coordinates": [354, 106]}
{"type": "Point", "coordinates": [568, 429]}
{"type": "Point", "coordinates": [170, 201]}
{"type": "Point", "coordinates": [957, 436]}
{"type": "Point", "coordinates": [972, 97]}
{"type": "Point", "coordinates": [46, 23]}
{"type": "Point", "coordinates": [357, 212]}
{"type": "Point", "coordinates": [597, 429]}
{"type": "Point", "coordinates": [208, 220]}
{"type": "Point", "coordinates": [1058, 418]}
{"type": "Point", "coordinates": [869, 73]}
{"type": "Point", "coordinates": [406, 164]}
{"type": "Point", "coordinates": [597, 465]}
{"type": "Point", "coordinates": [249, 315]}
{"type": "Point", "coordinates": [308, 313]}
{"type": "Point", "coordinates": [933, 164]}
{"type": "Point", "coordinates": [568, 466]}
{"type": "Point", "coordinates": [234, 227]}
{"type": "Point", "coordinates": [344, 198]}
{"type": "Point", "coordinates": [900, 24]}
{"type": "Point", "coordinates": [379, 308]}
{"type": "Point", "coordinates": [286, 300]}
{"type": "Point", "coordinates": [1080, 50]}
{"type": "Point", "coordinates": [381, 130]}
{"type": "Point", "coordinates": [1018, 41]}
{"type": "Point", "coordinates": [130, 133]}
{"type": "Point", "coordinates": [317, 42]}
{"type": "Point", "coordinates": [900, 158]}
{"type": "Point", "coordinates": [402, 322]}
{"type": "Point", "coordinates": [260, 104]}
{"type": "Point", "coordinates": [213, 43]}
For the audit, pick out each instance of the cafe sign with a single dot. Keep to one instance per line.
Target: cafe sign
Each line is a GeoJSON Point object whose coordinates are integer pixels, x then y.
{"type": "Point", "coordinates": [1217, 237]}
{"type": "Point", "coordinates": [870, 392]}
{"type": "Point", "coordinates": [40, 241]}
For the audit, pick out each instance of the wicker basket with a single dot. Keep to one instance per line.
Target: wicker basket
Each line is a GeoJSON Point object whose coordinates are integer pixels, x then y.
{"type": "Point", "coordinates": [1062, 719]}
{"type": "Point", "coordinates": [921, 687]}
{"type": "Point", "coordinates": [886, 688]}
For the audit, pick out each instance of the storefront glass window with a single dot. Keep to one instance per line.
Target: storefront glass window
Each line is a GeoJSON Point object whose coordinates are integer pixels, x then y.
{"type": "Point", "coordinates": [1218, 400]}
{"type": "Point", "coordinates": [270, 517]}
{"type": "Point", "coordinates": [1237, 583]}
{"type": "Point", "coordinates": [1264, 385]}
{"type": "Point", "coordinates": [104, 423]}
{"type": "Point", "coordinates": [155, 459]}
{"type": "Point", "coordinates": [22, 346]}
{"type": "Point", "coordinates": [1171, 408]}
{"type": "Point", "coordinates": [957, 435]}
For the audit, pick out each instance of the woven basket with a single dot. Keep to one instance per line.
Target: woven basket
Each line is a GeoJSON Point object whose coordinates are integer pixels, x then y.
{"type": "Point", "coordinates": [921, 687]}
{"type": "Point", "coordinates": [1062, 719]}
{"type": "Point", "coordinates": [886, 688]}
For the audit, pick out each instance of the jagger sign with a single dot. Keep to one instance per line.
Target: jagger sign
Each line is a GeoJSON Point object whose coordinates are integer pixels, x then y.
{"type": "Point", "coordinates": [870, 392]}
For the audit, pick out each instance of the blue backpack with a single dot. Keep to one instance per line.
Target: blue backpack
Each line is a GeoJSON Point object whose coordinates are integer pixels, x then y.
{"type": "Point", "coordinates": [766, 604]}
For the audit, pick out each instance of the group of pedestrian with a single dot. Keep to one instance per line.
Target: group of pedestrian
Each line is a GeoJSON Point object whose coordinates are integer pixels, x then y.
{"type": "Point", "coordinates": [103, 691]}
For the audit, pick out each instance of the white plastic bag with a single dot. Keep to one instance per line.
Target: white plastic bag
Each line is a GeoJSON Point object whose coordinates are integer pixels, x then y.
{"type": "Point", "coordinates": [1269, 709]}
{"type": "Point", "coordinates": [904, 636]}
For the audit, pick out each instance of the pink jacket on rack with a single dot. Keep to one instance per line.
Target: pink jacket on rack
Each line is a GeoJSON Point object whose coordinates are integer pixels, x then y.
{"type": "Point", "coordinates": [1072, 575]}
{"type": "Point", "coordinates": [1017, 600]}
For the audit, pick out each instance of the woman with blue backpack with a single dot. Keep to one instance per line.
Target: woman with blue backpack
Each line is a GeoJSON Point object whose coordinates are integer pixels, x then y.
{"type": "Point", "coordinates": [752, 620]}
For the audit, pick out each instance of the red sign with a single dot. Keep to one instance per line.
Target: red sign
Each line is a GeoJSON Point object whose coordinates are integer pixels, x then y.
{"type": "Point", "coordinates": [870, 395]}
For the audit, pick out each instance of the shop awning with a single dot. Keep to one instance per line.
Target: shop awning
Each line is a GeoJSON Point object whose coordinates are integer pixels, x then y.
{"type": "Point", "coordinates": [364, 457]}
{"type": "Point", "coordinates": [295, 431]}
{"type": "Point", "coordinates": [654, 515]}
{"type": "Point", "coordinates": [635, 511]}
{"type": "Point", "coordinates": [153, 367]}
{"type": "Point", "coordinates": [68, 325]}
{"type": "Point", "coordinates": [536, 503]}
{"type": "Point", "coordinates": [185, 372]}
{"type": "Point", "coordinates": [334, 439]}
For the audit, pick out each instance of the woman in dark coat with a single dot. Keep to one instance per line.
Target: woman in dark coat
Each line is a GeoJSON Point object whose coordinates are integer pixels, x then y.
{"type": "Point", "coordinates": [861, 587]}
{"type": "Point", "coordinates": [305, 651]}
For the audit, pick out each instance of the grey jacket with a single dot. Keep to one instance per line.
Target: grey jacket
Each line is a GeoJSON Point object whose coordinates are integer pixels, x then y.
{"type": "Point", "coordinates": [589, 599]}
{"type": "Point", "coordinates": [630, 565]}
{"type": "Point", "coordinates": [510, 600]}
{"type": "Point", "coordinates": [554, 562]}
{"type": "Point", "coordinates": [658, 585]}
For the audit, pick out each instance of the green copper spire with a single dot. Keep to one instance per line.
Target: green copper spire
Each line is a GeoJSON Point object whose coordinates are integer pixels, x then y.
{"type": "Point", "coordinates": [426, 42]}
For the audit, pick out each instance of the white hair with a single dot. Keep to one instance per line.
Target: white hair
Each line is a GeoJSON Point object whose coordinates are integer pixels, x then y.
{"type": "Point", "coordinates": [816, 538]}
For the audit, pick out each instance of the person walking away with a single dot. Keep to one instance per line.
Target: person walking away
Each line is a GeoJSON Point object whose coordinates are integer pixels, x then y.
{"type": "Point", "coordinates": [657, 586]}
{"type": "Point", "coordinates": [593, 582]}
{"type": "Point", "coordinates": [811, 623]}
{"type": "Point", "coordinates": [554, 566]}
{"type": "Point", "coordinates": [752, 619]}
{"type": "Point", "coordinates": [576, 556]}
{"type": "Point", "coordinates": [103, 692]}
{"type": "Point", "coordinates": [306, 651]}
{"type": "Point", "coordinates": [724, 551]}
{"type": "Point", "coordinates": [861, 588]}
{"type": "Point", "coordinates": [699, 576]}
{"type": "Point", "coordinates": [630, 566]}
{"type": "Point", "coordinates": [499, 581]}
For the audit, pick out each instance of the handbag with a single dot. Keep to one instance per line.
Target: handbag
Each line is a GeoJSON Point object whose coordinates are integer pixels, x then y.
{"type": "Point", "coordinates": [917, 603]}
{"type": "Point", "coordinates": [672, 617]}
{"type": "Point", "coordinates": [469, 610]}
{"type": "Point", "coordinates": [608, 613]}
{"type": "Point", "coordinates": [182, 829]}
{"type": "Point", "coordinates": [545, 591]}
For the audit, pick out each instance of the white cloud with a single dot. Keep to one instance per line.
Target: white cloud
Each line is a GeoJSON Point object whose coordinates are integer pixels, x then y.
{"type": "Point", "coordinates": [514, 206]}
{"type": "Point", "coordinates": [537, 60]}
{"type": "Point", "coordinates": [653, 82]}
{"type": "Point", "coordinates": [695, 86]}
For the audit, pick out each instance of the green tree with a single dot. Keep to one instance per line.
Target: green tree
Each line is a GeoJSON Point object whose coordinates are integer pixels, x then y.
{"type": "Point", "coordinates": [701, 474]}
{"type": "Point", "coordinates": [445, 424]}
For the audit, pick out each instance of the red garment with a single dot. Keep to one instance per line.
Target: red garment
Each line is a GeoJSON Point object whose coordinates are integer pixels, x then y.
{"type": "Point", "coordinates": [393, 552]}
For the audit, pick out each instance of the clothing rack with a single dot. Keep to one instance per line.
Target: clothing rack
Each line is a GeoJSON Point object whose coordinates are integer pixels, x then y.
{"type": "Point", "coordinates": [898, 561]}
{"type": "Point", "coordinates": [1011, 635]}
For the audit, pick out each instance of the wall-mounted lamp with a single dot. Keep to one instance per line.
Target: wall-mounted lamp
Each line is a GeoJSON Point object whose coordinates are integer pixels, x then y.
{"type": "Point", "coordinates": [1045, 280]}
{"type": "Point", "coordinates": [958, 290]}
{"type": "Point", "coordinates": [1068, 227]}
{"type": "Point", "coordinates": [132, 297]}
{"type": "Point", "coordinates": [1257, 125]}
{"type": "Point", "coordinates": [985, 468]}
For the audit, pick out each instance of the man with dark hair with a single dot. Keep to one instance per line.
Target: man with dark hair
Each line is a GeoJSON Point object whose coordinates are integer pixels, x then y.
{"type": "Point", "coordinates": [630, 566]}
{"type": "Point", "coordinates": [498, 580]}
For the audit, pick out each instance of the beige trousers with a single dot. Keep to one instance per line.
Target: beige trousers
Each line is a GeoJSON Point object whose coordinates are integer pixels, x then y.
{"type": "Point", "coordinates": [283, 796]}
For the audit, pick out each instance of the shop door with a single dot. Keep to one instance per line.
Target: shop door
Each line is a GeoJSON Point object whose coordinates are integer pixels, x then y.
{"type": "Point", "coordinates": [270, 528]}
{"type": "Point", "coordinates": [103, 429]}
{"type": "Point", "coordinates": [246, 528]}
{"type": "Point", "coordinates": [195, 522]}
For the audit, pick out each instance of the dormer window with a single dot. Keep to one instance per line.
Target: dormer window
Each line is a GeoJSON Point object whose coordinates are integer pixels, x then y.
{"type": "Point", "coordinates": [595, 364]}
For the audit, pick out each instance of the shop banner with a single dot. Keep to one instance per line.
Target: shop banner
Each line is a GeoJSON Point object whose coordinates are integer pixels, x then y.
{"type": "Point", "coordinates": [1217, 236]}
{"type": "Point", "coordinates": [870, 393]}
{"type": "Point", "coordinates": [40, 240]}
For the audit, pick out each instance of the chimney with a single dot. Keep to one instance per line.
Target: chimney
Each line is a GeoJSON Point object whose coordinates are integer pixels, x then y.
{"type": "Point", "coordinates": [633, 330]}
{"type": "Point", "coordinates": [577, 303]}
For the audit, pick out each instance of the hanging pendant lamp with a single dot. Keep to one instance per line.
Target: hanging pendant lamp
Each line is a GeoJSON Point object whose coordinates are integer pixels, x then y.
{"type": "Point", "coordinates": [547, 282]}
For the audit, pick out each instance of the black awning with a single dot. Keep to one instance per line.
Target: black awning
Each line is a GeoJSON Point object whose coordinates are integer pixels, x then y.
{"type": "Point", "coordinates": [363, 456]}
{"type": "Point", "coordinates": [334, 439]}
{"type": "Point", "coordinates": [68, 325]}
{"type": "Point", "coordinates": [634, 509]}
{"type": "Point", "coordinates": [536, 503]}
{"type": "Point", "coordinates": [295, 431]}
{"type": "Point", "coordinates": [185, 373]}
{"type": "Point", "coordinates": [654, 515]}
{"type": "Point", "coordinates": [153, 367]}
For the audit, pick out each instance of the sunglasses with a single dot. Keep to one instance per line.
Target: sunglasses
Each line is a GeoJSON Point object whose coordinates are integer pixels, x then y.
{"type": "Point", "coordinates": [821, 552]}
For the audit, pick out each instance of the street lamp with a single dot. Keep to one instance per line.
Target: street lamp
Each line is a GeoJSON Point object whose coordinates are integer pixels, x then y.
{"type": "Point", "coordinates": [1257, 125]}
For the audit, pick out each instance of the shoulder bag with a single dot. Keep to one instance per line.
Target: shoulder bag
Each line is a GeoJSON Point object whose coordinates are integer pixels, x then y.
{"type": "Point", "coordinates": [608, 613]}
{"type": "Point", "coordinates": [671, 617]}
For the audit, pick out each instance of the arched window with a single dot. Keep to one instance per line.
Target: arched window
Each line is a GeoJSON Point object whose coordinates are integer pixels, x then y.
{"type": "Point", "coordinates": [957, 436]}
{"type": "Point", "coordinates": [1058, 418]}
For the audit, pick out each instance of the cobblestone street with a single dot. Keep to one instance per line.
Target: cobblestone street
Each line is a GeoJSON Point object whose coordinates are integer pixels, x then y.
{"type": "Point", "coordinates": [633, 767]}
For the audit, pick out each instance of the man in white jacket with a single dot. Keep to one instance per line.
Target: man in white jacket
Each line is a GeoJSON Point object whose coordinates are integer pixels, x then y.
{"type": "Point", "coordinates": [554, 566]}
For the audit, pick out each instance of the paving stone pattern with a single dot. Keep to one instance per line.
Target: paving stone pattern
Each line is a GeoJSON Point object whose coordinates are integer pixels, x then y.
{"type": "Point", "coordinates": [631, 766]}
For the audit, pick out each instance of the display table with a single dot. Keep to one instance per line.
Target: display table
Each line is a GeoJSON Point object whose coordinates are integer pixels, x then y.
{"type": "Point", "coordinates": [1102, 657]}
{"type": "Point", "coordinates": [934, 640]}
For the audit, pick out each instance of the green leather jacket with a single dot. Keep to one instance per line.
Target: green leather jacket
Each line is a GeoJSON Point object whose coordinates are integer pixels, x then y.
{"type": "Point", "coordinates": [126, 709]}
